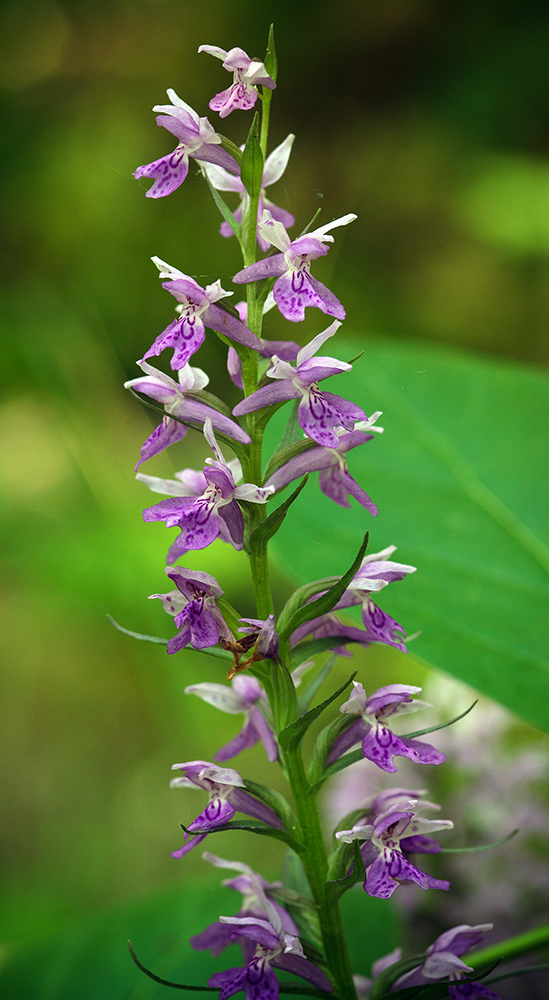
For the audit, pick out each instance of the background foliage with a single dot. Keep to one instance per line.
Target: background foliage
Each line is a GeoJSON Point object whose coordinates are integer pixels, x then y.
{"type": "Point", "coordinates": [430, 121]}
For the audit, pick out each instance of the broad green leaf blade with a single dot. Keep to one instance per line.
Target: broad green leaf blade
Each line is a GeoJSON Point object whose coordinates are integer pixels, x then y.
{"type": "Point", "coordinates": [460, 479]}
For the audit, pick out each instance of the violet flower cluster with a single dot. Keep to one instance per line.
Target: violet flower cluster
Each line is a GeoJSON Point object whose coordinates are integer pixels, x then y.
{"type": "Point", "coordinates": [273, 679]}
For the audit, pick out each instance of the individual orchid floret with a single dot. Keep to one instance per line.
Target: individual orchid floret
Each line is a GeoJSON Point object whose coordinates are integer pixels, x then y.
{"type": "Point", "coordinates": [246, 695]}
{"type": "Point", "coordinates": [318, 412]}
{"type": "Point", "coordinates": [265, 943]}
{"type": "Point", "coordinates": [275, 165]}
{"type": "Point", "coordinates": [256, 902]}
{"type": "Point", "coordinates": [227, 795]}
{"type": "Point", "coordinates": [197, 310]}
{"type": "Point", "coordinates": [248, 74]}
{"type": "Point", "coordinates": [197, 138]}
{"type": "Point", "coordinates": [295, 287]}
{"type": "Point", "coordinates": [334, 478]}
{"type": "Point", "coordinates": [379, 743]}
{"type": "Point", "coordinates": [178, 401]}
{"type": "Point", "coordinates": [199, 516]}
{"type": "Point", "coordinates": [375, 573]}
{"type": "Point", "coordinates": [444, 961]}
{"type": "Point", "coordinates": [194, 606]}
{"type": "Point", "coordinates": [383, 846]}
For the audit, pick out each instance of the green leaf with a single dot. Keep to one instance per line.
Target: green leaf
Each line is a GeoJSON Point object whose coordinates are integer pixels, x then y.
{"type": "Point", "coordinates": [336, 888]}
{"type": "Point", "coordinates": [274, 800]}
{"type": "Point", "coordinates": [252, 826]}
{"type": "Point", "coordinates": [285, 451]}
{"type": "Point", "coordinates": [482, 847]}
{"type": "Point", "coordinates": [265, 531]}
{"type": "Point", "coordinates": [441, 725]}
{"type": "Point", "coordinates": [291, 619]}
{"type": "Point", "coordinates": [309, 690]}
{"type": "Point", "coordinates": [138, 635]}
{"type": "Point", "coordinates": [167, 982]}
{"type": "Point", "coordinates": [460, 479]}
{"type": "Point", "coordinates": [338, 765]}
{"type": "Point", "coordinates": [251, 171]}
{"type": "Point", "coordinates": [224, 209]}
{"type": "Point", "coordinates": [291, 736]}
{"type": "Point", "coordinates": [270, 62]}
{"type": "Point", "coordinates": [311, 647]}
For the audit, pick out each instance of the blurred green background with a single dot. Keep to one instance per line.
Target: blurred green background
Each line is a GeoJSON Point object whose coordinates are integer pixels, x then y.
{"type": "Point", "coordinates": [430, 121]}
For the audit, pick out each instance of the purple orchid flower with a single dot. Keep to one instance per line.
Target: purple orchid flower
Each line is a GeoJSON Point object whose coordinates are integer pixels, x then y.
{"type": "Point", "coordinates": [194, 608]}
{"type": "Point", "coordinates": [227, 795]}
{"type": "Point", "coordinates": [334, 478]}
{"type": "Point", "coordinates": [178, 403]}
{"type": "Point", "coordinates": [375, 573]}
{"type": "Point", "coordinates": [199, 516]}
{"type": "Point", "coordinates": [318, 412]}
{"type": "Point", "coordinates": [197, 138]}
{"type": "Point", "coordinates": [248, 74]}
{"type": "Point", "coordinates": [256, 902]}
{"type": "Point", "coordinates": [247, 696]}
{"type": "Point", "coordinates": [197, 311]}
{"type": "Point", "coordinates": [265, 943]}
{"type": "Point", "coordinates": [327, 625]}
{"type": "Point", "coordinates": [379, 744]}
{"type": "Point", "coordinates": [295, 287]}
{"type": "Point", "coordinates": [384, 843]}
{"type": "Point", "coordinates": [444, 962]}
{"type": "Point", "coordinates": [275, 165]}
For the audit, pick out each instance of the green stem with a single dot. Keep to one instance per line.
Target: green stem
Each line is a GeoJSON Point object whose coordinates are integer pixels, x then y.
{"type": "Point", "coordinates": [315, 863]}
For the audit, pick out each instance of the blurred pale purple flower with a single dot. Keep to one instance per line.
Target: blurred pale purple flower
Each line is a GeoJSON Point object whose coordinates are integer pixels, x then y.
{"type": "Point", "coordinates": [265, 943]}
{"type": "Point", "coordinates": [197, 138]}
{"type": "Point", "coordinates": [177, 402]}
{"type": "Point", "coordinates": [227, 795]}
{"type": "Point", "coordinates": [256, 902]}
{"type": "Point", "coordinates": [247, 696]}
{"type": "Point", "coordinates": [194, 608]}
{"type": "Point", "coordinates": [197, 311]}
{"type": "Point", "coordinates": [295, 287]}
{"type": "Point", "coordinates": [199, 516]}
{"type": "Point", "coordinates": [318, 412]}
{"type": "Point", "coordinates": [384, 843]}
{"type": "Point", "coordinates": [275, 165]}
{"type": "Point", "coordinates": [379, 743]}
{"type": "Point", "coordinates": [248, 74]}
{"type": "Point", "coordinates": [444, 962]}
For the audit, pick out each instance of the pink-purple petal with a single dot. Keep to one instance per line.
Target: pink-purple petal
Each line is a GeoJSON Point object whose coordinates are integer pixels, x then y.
{"type": "Point", "coordinates": [168, 173]}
